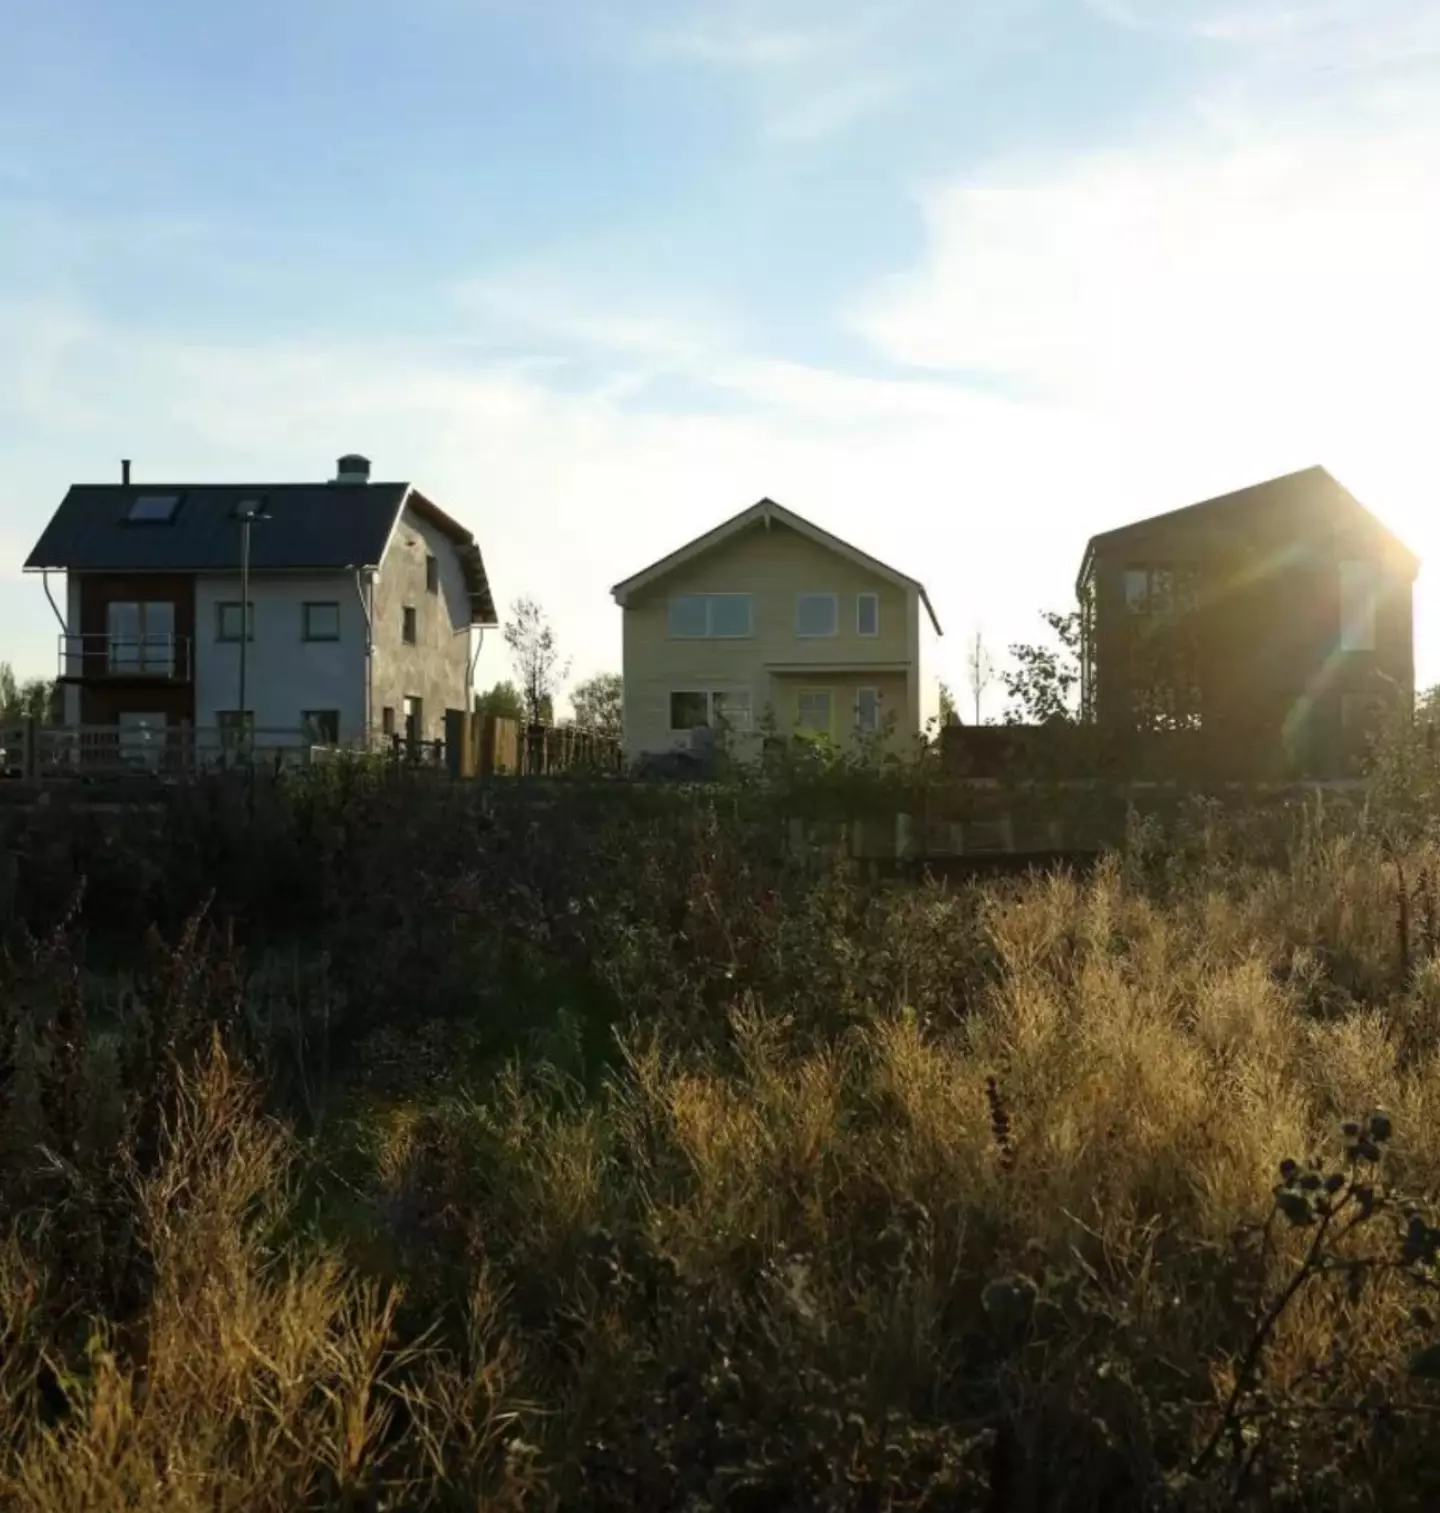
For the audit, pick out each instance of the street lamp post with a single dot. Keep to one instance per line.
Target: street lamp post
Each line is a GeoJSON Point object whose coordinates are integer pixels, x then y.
{"type": "Point", "coordinates": [248, 513]}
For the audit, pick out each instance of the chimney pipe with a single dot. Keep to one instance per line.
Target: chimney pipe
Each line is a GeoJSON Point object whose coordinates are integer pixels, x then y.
{"type": "Point", "coordinates": [124, 470]}
{"type": "Point", "coordinates": [352, 468]}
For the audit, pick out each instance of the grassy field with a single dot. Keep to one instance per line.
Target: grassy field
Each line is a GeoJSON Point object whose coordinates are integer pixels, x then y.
{"type": "Point", "coordinates": [592, 1156]}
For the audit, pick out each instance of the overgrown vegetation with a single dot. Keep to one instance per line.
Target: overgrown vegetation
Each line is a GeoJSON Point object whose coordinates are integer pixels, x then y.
{"type": "Point", "coordinates": [374, 1142]}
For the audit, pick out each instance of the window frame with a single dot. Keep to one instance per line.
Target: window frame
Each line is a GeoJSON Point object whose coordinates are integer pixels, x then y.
{"type": "Point", "coordinates": [409, 625]}
{"type": "Point", "coordinates": [432, 573]}
{"type": "Point", "coordinates": [307, 629]}
{"type": "Point", "coordinates": [235, 727]}
{"type": "Point", "coordinates": [818, 635]}
{"type": "Point", "coordinates": [247, 610]}
{"type": "Point", "coordinates": [710, 633]}
{"type": "Point", "coordinates": [861, 599]}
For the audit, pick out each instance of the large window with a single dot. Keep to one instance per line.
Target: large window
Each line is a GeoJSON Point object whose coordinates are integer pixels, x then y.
{"type": "Point", "coordinates": [321, 621]}
{"type": "Point", "coordinates": [1164, 655]}
{"type": "Point", "coordinates": [712, 615]}
{"type": "Point", "coordinates": [236, 727]}
{"type": "Point", "coordinates": [817, 615]}
{"type": "Point", "coordinates": [140, 638]}
{"type": "Point", "coordinates": [1359, 583]}
{"type": "Point", "coordinates": [232, 620]}
{"type": "Point", "coordinates": [693, 709]}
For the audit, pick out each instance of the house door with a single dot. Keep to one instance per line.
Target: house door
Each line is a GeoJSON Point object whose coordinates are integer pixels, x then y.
{"type": "Point", "coordinates": [414, 721]}
{"type": "Point", "coordinates": [142, 739]}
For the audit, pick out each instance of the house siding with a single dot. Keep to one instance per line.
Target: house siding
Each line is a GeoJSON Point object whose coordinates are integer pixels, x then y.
{"type": "Point", "coordinates": [102, 697]}
{"type": "Point", "coordinates": [436, 669]}
{"type": "Point", "coordinates": [775, 565]}
{"type": "Point", "coordinates": [285, 675]}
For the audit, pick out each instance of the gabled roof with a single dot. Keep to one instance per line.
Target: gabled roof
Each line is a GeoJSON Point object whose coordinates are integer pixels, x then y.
{"type": "Point", "coordinates": [1254, 496]}
{"type": "Point", "coordinates": [765, 513]}
{"type": "Point", "coordinates": [311, 526]}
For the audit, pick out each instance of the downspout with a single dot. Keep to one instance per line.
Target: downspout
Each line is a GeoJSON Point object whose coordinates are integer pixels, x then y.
{"type": "Point", "coordinates": [367, 609]}
{"type": "Point", "coordinates": [64, 633]}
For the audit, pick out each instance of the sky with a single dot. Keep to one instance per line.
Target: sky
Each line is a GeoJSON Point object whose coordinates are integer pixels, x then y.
{"type": "Point", "coordinates": [962, 281]}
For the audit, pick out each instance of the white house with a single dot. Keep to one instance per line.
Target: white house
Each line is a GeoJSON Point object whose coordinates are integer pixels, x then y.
{"type": "Point", "coordinates": [363, 600]}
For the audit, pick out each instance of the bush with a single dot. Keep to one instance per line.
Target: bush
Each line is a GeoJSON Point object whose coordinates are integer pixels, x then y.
{"type": "Point", "coordinates": [586, 1150]}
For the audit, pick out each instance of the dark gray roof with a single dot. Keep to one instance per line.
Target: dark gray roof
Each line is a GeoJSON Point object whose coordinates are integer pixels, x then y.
{"type": "Point", "coordinates": [311, 525]}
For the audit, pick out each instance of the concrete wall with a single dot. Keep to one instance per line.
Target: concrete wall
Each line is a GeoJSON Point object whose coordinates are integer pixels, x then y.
{"type": "Point", "coordinates": [436, 669]}
{"type": "Point", "coordinates": [776, 566]}
{"type": "Point", "coordinates": [285, 674]}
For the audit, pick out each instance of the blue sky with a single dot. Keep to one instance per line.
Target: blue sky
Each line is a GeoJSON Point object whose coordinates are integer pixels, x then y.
{"type": "Point", "coordinates": [963, 282]}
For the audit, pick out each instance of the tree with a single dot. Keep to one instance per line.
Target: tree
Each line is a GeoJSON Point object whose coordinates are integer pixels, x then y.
{"type": "Point", "coordinates": [538, 665]}
{"type": "Point", "coordinates": [979, 669]}
{"type": "Point", "coordinates": [598, 702]}
{"type": "Point", "coordinates": [31, 700]}
{"type": "Point", "coordinates": [949, 714]}
{"type": "Point", "coordinates": [504, 701]}
{"type": "Point", "coordinates": [1042, 684]}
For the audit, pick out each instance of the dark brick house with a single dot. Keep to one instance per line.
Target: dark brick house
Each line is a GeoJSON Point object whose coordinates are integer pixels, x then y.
{"type": "Point", "coordinates": [1255, 635]}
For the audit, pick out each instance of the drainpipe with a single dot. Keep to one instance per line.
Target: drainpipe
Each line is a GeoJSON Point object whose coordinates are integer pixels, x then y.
{"type": "Point", "coordinates": [364, 581]}
{"type": "Point", "coordinates": [64, 629]}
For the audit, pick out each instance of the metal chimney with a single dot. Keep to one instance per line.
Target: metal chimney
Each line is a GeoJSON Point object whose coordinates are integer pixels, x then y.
{"type": "Point", "coordinates": [125, 470]}
{"type": "Point", "coordinates": [352, 468]}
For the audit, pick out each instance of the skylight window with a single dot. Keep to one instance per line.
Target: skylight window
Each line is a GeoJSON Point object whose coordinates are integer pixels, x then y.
{"type": "Point", "coordinates": [153, 509]}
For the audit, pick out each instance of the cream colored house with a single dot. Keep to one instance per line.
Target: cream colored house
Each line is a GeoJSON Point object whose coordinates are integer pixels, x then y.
{"type": "Point", "coordinates": [769, 612]}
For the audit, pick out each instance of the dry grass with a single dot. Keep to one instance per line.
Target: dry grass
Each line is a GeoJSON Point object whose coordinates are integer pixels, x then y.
{"type": "Point", "coordinates": [792, 1267]}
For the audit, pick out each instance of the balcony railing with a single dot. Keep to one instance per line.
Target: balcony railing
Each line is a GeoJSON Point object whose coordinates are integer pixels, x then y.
{"type": "Point", "coordinates": [41, 753]}
{"type": "Point", "coordinates": [99, 654]}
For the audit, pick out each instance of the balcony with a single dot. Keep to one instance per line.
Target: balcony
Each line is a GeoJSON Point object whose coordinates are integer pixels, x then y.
{"type": "Point", "coordinates": [100, 656]}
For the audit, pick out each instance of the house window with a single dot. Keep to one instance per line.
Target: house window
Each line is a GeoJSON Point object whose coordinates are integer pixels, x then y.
{"type": "Point", "coordinates": [387, 720]}
{"type": "Point", "coordinates": [152, 509]}
{"type": "Point", "coordinates": [407, 625]}
{"type": "Point", "coordinates": [731, 709]}
{"type": "Point", "coordinates": [693, 709]}
{"type": "Point", "coordinates": [321, 726]}
{"type": "Point", "coordinates": [140, 638]}
{"type": "Point", "coordinates": [817, 615]}
{"type": "Point", "coordinates": [867, 709]}
{"type": "Point", "coordinates": [432, 575]}
{"type": "Point", "coordinates": [236, 728]}
{"type": "Point", "coordinates": [689, 710]}
{"type": "Point", "coordinates": [1358, 584]}
{"type": "Point", "coordinates": [717, 616]}
{"type": "Point", "coordinates": [816, 711]}
{"type": "Point", "coordinates": [1165, 590]}
{"type": "Point", "coordinates": [229, 617]}
{"type": "Point", "coordinates": [320, 621]}
{"type": "Point", "coordinates": [867, 614]}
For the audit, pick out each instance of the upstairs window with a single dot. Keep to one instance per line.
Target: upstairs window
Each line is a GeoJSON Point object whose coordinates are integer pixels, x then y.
{"type": "Point", "coordinates": [407, 625]}
{"type": "Point", "coordinates": [231, 617]}
{"type": "Point", "coordinates": [1157, 591]}
{"type": "Point", "coordinates": [321, 621]}
{"type": "Point", "coordinates": [1359, 583]}
{"type": "Point", "coordinates": [711, 616]}
{"type": "Point", "coordinates": [867, 615]}
{"type": "Point", "coordinates": [152, 509]}
{"type": "Point", "coordinates": [432, 575]}
{"type": "Point", "coordinates": [817, 615]}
